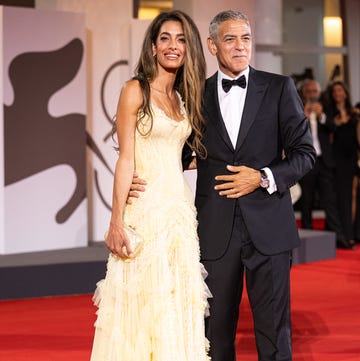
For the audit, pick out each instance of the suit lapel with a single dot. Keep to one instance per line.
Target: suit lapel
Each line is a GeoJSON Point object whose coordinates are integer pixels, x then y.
{"type": "Point", "coordinates": [212, 108]}
{"type": "Point", "coordinates": [254, 96]}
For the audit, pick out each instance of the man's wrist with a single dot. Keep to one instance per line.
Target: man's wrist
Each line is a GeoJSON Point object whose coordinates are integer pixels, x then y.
{"type": "Point", "coordinates": [264, 182]}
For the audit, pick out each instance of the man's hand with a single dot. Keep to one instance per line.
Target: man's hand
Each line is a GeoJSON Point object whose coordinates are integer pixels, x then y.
{"type": "Point", "coordinates": [137, 185]}
{"type": "Point", "coordinates": [244, 181]}
{"type": "Point", "coordinates": [315, 107]}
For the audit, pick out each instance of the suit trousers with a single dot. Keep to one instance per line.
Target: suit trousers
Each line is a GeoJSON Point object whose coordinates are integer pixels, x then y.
{"type": "Point", "coordinates": [268, 286]}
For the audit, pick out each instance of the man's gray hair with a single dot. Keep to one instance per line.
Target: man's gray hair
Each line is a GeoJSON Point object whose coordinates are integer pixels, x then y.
{"type": "Point", "coordinates": [225, 16]}
{"type": "Point", "coordinates": [305, 82]}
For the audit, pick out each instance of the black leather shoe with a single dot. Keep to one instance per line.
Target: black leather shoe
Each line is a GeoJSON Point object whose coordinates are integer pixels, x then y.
{"type": "Point", "coordinates": [352, 244]}
{"type": "Point", "coordinates": [345, 244]}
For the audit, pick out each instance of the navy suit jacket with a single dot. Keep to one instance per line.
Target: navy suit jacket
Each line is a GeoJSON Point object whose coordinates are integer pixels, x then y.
{"type": "Point", "coordinates": [273, 123]}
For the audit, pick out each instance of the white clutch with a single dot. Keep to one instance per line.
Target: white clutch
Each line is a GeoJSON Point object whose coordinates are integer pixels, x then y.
{"type": "Point", "coordinates": [136, 242]}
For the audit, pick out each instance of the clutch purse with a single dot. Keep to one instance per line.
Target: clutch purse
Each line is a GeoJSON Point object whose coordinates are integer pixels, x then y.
{"type": "Point", "coordinates": [136, 242]}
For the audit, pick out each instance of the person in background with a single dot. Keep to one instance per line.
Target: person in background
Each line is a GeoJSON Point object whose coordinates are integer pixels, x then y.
{"type": "Point", "coordinates": [345, 148]}
{"type": "Point", "coordinates": [356, 187]}
{"type": "Point", "coordinates": [152, 302]}
{"type": "Point", "coordinates": [356, 110]}
{"type": "Point", "coordinates": [321, 178]}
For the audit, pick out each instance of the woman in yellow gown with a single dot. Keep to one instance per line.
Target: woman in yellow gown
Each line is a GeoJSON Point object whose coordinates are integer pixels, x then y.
{"type": "Point", "coordinates": [152, 304]}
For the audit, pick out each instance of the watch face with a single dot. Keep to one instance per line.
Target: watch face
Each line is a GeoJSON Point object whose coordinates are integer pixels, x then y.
{"type": "Point", "coordinates": [265, 183]}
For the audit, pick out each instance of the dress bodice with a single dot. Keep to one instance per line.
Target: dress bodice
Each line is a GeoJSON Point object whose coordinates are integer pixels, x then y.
{"type": "Point", "coordinates": [158, 160]}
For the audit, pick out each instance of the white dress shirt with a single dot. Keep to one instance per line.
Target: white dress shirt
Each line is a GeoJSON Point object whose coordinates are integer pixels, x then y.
{"type": "Point", "coordinates": [232, 107]}
{"type": "Point", "coordinates": [232, 104]}
{"type": "Point", "coordinates": [314, 130]}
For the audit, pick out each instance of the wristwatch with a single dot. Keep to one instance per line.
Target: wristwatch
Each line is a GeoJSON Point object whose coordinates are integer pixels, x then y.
{"type": "Point", "coordinates": [265, 183]}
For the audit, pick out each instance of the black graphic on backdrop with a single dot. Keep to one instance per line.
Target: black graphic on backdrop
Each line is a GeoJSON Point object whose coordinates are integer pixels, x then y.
{"type": "Point", "coordinates": [34, 139]}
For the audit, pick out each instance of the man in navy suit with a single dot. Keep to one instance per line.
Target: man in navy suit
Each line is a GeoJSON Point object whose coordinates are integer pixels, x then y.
{"type": "Point", "coordinates": [258, 146]}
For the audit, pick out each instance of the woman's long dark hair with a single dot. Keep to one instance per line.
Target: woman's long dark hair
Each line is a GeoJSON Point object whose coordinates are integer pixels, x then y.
{"type": "Point", "coordinates": [190, 78]}
{"type": "Point", "coordinates": [332, 103]}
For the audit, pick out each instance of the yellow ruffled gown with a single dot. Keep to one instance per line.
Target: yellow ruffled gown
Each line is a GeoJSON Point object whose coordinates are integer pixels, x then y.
{"type": "Point", "coordinates": [153, 307]}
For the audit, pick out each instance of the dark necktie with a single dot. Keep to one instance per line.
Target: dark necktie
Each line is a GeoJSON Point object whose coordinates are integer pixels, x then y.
{"type": "Point", "coordinates": [227, 83]}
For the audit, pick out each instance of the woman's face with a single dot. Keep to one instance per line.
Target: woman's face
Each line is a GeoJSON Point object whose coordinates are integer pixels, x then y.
{"type": "Point", "coordinates": [170, 46]}
{"type": "Point", "coordinates": [338, 93]}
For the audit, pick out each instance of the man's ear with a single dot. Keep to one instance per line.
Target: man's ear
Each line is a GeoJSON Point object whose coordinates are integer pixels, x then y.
{"type": "Point", "coordinates": [211, 46]}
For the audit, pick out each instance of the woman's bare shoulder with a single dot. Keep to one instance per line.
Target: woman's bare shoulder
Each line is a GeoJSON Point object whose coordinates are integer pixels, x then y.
{"type": "Point", "coordinates": [131, 94]}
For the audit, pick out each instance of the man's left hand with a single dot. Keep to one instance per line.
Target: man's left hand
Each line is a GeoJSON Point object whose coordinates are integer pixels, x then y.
{"type": "Point", "coordinates": [137, 185]}
{"type": "Point", "coordinates": [244, 181]}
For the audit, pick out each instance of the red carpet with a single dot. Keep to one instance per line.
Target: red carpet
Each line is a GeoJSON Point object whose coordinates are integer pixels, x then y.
{"type": "Point", "coordinates": [325, 314]}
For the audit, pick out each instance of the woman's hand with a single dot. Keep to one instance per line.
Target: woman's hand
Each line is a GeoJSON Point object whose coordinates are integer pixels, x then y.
{"type": "Point", "coordinates": [117, 241]}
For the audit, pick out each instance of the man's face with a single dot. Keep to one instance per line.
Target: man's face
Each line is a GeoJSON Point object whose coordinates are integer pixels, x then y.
{"type": "Point", "coordinates": [232, 47]}
{"type": "Point", "coordinates": [311, 91]}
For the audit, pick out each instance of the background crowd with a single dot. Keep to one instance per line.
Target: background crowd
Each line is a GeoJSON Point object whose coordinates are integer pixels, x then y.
{"type": "Point", "coordinates": [333, 184]}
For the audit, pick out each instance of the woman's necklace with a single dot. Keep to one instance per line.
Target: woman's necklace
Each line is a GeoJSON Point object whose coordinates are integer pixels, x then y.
{"type": "Point", "coordinates": [160, 91]}
{"type": "Point", "coordinates": [170, 111]}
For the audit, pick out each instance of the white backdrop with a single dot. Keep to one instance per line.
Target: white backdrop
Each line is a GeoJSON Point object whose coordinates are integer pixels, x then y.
{"type": "Point", "coordinates": [43, 204]}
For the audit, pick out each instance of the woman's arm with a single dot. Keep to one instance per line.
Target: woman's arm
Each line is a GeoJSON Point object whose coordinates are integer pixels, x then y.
{"type": "Point", "coordinates": [129, 102]}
